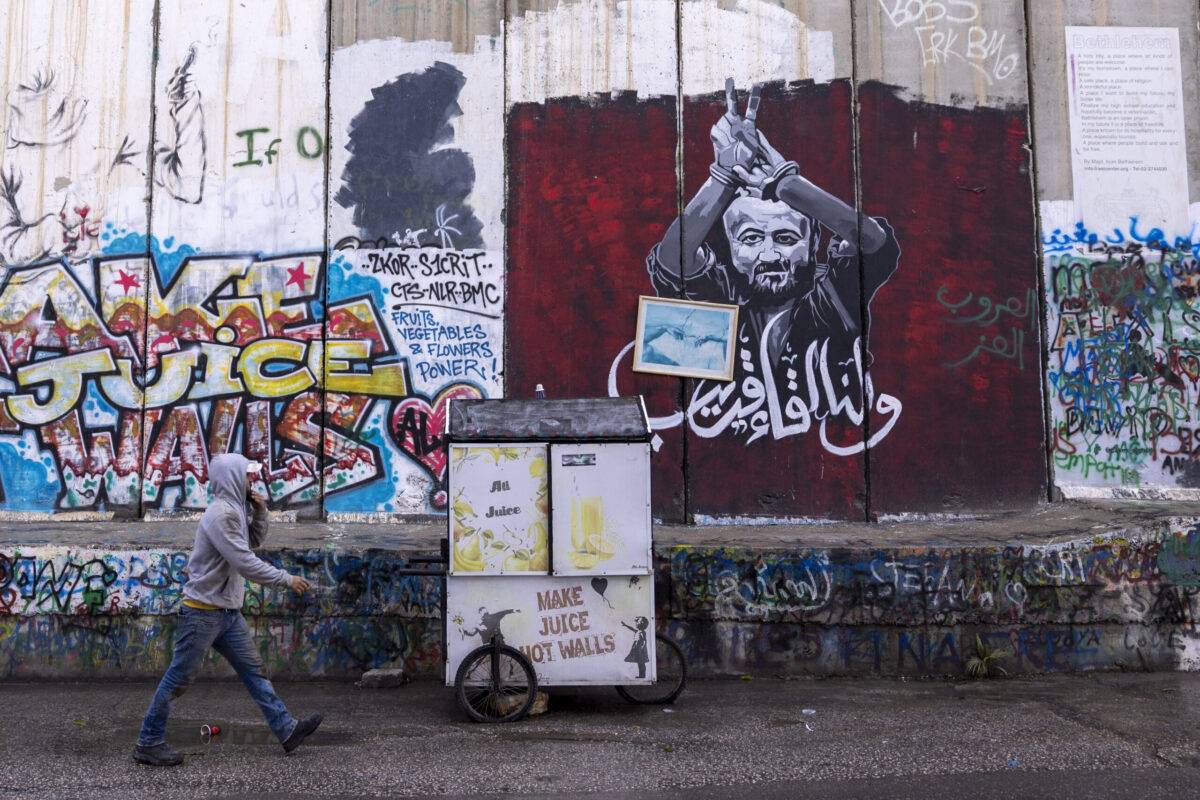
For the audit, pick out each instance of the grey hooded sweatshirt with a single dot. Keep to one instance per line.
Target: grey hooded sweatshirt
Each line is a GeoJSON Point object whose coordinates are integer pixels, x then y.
{"type": "Point", "coordinates": [221, 554]}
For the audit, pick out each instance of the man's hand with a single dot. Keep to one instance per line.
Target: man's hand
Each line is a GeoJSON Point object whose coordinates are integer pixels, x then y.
{"type": "Point", "coordinates": [777, 168]}
{"type": "Point", "coordinates": [734, 137]}
{"type": "Point", "coordinates": [771, 157]}
{"type": "Point", "coordinates": [754, 178]}
{"type": "Point", "coordinates": [763, 176]}
{"type": "Point", "coordinates": [255, 499]}
{"type": "Point", "coordinates": [299, 585]}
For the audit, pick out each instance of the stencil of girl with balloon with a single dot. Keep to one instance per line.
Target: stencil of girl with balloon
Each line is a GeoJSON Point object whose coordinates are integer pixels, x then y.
{"type": "Point", "coordinates": [638, 654]}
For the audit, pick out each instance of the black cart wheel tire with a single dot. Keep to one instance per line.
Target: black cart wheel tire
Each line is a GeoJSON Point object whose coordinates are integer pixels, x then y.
{"type": "Point", "coordinates": [671, 677]}
{"type": "Point", "coordinates": [491, 681]}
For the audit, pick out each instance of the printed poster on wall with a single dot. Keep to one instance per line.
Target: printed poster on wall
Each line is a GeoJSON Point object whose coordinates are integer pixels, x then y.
{"type": "Point", "coordinates": [575, 631]}
{"type": "Point", "coordinates": [601, 508]}
{"type": "Point", "coordinates": [499, 506]}
{"type": "Point", "coordinates": [1128, 150]}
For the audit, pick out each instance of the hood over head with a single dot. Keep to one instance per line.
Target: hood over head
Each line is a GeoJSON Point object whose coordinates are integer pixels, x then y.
{"type": "Point", "coordinates": [227, 477]}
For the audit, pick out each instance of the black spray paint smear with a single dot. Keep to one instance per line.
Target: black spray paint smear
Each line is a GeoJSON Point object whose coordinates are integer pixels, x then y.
{"type": "Point", "coordinates": [393, 181]}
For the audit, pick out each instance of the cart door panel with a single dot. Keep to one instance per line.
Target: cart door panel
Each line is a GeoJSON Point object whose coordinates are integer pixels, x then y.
{"type": "Point", "coordinates": [600, 508]}
{"type": "Point", "coordinates": [574, 630]}
{"type": "Point", "coordinates": [499, 509]}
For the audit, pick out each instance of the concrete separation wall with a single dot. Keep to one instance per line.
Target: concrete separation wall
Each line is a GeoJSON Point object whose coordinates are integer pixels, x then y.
{"type": "Point", "coordinates": [300, 229]}
{"type": "Point", "coordinates": [1070, 597]}
{"type": "Point", "coordinates": [1108, 602]}
{"type": "Point", "coordinates": [1122, 376]}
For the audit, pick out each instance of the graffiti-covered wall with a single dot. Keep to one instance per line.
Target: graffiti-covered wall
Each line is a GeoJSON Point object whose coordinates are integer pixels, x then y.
{"type": "Point", "coordinates": [67, 611]}
{"type": "Point", "coordinates": [299, 230]}
{"type": "Point", "coordinates": [1123, 597]}
{"type": "Point", "coordinates": [1118, 154]}
{"type": "Point", "coordinates": [249, 242]}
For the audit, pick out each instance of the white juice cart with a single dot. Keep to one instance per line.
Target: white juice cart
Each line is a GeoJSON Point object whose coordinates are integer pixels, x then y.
{"type": "Point", "coordinates": [550, 561]}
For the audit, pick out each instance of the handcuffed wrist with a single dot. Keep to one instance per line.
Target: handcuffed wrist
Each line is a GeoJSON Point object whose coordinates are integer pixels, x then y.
{"type": "Point", "coordinates": [722, 175]}
{"type": "Point", "coordinates": [784, 170]}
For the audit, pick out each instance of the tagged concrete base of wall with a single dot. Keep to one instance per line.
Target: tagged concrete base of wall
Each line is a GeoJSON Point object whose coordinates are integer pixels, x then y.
{"type": "Point", "coordinates": [1044, 591]}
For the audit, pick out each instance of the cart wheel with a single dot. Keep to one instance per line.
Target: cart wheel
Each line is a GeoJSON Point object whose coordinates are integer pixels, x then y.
{"type": "Point", "coordinates": [670, 678]}
{"type": "Point", "coordinates": [495, 683]}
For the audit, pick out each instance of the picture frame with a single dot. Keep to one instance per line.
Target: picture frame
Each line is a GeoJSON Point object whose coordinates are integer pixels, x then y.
{"type": "Point", "coordinates": [686, 338]}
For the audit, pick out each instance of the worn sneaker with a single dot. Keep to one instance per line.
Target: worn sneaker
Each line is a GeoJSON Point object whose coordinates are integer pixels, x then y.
{"type": "Point", "coordinates": [158, 755]}
{"type": "Point", "coordinates": [304, 729]}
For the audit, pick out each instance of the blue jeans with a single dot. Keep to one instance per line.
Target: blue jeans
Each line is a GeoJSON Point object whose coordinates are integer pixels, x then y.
{"type": "Point", "coordinates": [226, 632]}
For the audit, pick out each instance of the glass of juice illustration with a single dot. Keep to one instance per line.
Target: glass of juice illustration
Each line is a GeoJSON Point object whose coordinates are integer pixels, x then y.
{"type": "Point", "coordinates": [588, 542]}
{"type": "Point", "coordinates": [591, 518]}
{"type": "Point", "coordinates": [577, 537]}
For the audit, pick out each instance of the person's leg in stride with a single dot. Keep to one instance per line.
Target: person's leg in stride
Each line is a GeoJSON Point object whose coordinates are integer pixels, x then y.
{"type": "Point", "coordinates": [195, 632]}
{"type": "Point", "coordinates": [237, 646]}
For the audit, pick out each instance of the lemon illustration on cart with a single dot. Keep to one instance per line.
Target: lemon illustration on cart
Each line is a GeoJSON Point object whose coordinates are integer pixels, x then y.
{"type": "Point", "coordinates": [502, 528]}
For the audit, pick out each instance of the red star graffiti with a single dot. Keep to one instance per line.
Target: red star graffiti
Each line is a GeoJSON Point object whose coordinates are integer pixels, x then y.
{"type": "Point", "coordinates": [297, 276]}
{"type": "Point", "coordinates": [127, 281]}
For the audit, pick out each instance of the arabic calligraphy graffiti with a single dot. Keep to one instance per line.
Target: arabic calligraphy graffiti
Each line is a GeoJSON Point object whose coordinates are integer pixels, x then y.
{"type": "Point", "coordinates": [755, 408]}
{"type": "Point", "coordinates": [1059, 241]}
{"type": "Point", "coordinates": [1023, 319]}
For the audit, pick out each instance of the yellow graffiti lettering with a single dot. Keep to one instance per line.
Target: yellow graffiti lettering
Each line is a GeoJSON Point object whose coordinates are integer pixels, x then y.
{"type": "Point", "coordinates": [220, 368]}
{"type": "Point", "coordinates": [27, 291]}
{"type": "Point", "coordinates": [120, 389]}
{"type": "Point", "coordinates": [258, 354]}
{"type": "Point", "coordinates": [174, 376]}
{"type": "Point", "coordinates": [199, 278]}
{"type": "Point", "coordinates": [65, 377]}
{"type": "Point", "coordinates": [380, 380]}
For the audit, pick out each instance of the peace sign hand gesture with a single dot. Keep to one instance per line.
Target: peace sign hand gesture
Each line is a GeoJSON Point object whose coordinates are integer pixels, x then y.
{"type": "Point", "coordinates": [743, 156]}
{"type": "Point", "coordinates": [734, 137]}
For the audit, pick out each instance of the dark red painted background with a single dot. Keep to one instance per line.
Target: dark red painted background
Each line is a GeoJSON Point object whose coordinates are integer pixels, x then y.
{"type": "Point", "coordinates": [960, 198]}
{"type": "Point", "coordinates": [592, 189]}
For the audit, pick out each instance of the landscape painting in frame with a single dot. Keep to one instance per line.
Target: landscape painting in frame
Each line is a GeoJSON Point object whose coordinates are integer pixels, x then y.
{"type": "Point", "coordinates": [685, 338]}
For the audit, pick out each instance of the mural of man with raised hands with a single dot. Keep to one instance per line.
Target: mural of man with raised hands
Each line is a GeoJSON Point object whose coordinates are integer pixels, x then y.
{"type": "Point", "coordinates": [750, 237]}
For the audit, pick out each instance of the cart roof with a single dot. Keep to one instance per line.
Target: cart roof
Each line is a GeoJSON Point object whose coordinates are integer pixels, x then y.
{"type": "Point", "coordinates": [608, 418]}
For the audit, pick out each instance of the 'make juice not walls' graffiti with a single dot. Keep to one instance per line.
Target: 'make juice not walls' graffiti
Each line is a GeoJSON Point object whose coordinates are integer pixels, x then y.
{"type": "Point", "coordinates": [125, 384]}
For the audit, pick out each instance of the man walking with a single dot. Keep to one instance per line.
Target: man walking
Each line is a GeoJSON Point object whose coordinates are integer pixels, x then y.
{"type": "Point", "coordinates": [211, 612]}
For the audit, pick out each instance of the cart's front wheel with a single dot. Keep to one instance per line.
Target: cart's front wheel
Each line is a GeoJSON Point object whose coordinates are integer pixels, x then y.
{"type": "Point", "coordinates": [495, 683]}
{"type": "Point", "coordinates": [670, 676]}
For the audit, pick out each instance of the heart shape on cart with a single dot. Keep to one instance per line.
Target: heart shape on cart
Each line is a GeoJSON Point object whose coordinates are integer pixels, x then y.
{"type": "Point", "coordinates": [600, 585]}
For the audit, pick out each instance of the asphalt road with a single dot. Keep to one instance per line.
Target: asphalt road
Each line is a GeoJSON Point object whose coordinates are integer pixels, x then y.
{"type": "Point", "coordinates": [1095, 737]}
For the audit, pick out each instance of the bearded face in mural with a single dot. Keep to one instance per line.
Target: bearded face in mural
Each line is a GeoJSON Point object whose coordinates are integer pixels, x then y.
{"type": "Point", "coordinates": [760, 235]}
{"type": "Point", "coordinates": [769, 243]}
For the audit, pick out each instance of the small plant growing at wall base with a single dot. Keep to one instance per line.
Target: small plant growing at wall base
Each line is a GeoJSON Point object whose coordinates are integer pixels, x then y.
{"type": "Point", "coordinates": [984, 663]}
